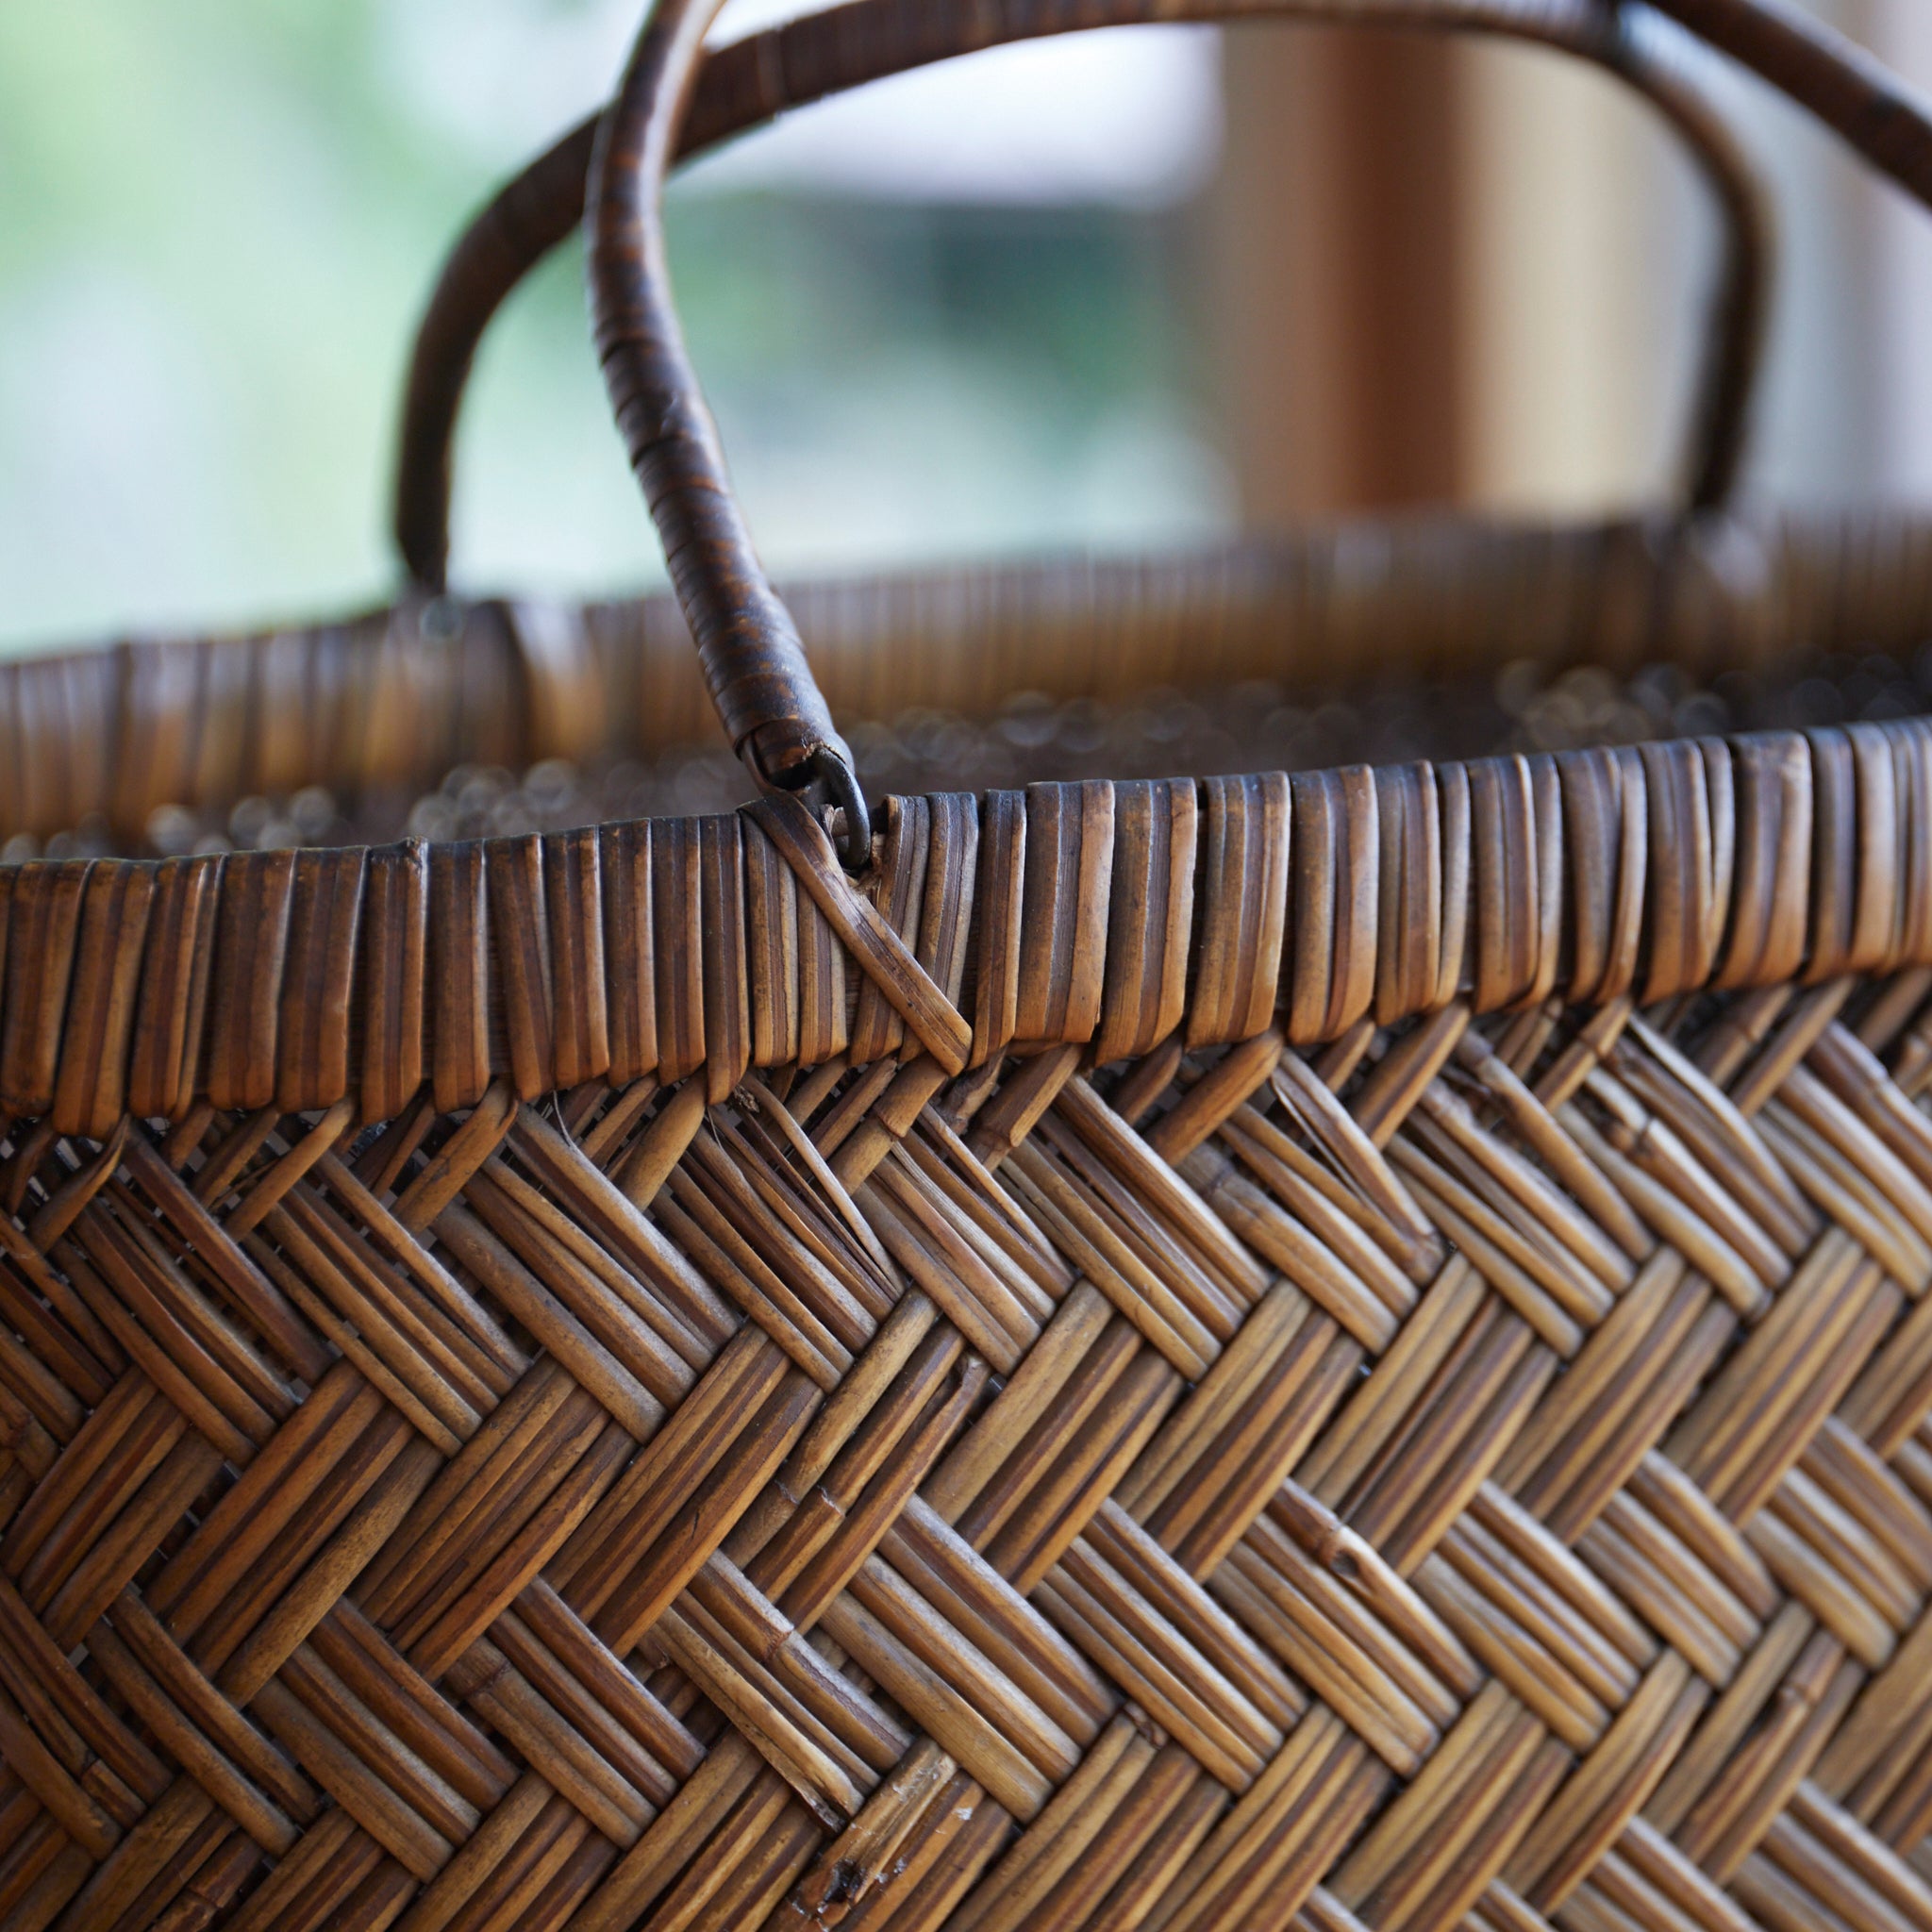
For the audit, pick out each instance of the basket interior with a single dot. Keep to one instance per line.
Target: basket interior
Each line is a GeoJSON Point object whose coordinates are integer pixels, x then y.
{"type": "Point", "coordinates": [1370, 644]}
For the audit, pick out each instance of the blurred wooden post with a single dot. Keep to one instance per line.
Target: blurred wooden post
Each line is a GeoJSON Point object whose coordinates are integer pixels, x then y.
{"type": "Point", "coordinates": [1339, 318]}
{"type": "Point", "coordinates": [1448, 271]}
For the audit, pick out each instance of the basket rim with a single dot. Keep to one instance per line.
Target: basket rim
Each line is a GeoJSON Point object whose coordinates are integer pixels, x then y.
{"type": "Point", "coordinates": [1419, 592]}
{"type": "Point", "coordinates": [1658, 529]}
{"type": "Point", "coordinates": [1095, 917]}
{"type": "Point", "coordinates": [1091, 920]}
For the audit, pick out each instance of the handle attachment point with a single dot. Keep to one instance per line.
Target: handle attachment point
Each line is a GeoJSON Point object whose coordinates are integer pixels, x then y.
{"type": "Point", "coordinates": [829, 782]}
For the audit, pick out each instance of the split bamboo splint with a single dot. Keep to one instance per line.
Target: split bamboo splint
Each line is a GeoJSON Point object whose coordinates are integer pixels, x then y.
{"type": "Point", "coordinates": [1347, 1352]}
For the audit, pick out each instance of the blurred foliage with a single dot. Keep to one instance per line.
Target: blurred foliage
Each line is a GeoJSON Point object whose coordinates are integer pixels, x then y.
{"type": "Point", "coordinates": [218, 221]}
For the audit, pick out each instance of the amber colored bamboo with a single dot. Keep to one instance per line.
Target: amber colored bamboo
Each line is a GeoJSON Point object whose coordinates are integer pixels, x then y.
{"type": "Point", "coordinates": [749, 82]}
{"type": "Point", "coordinates": [1345, 1352]}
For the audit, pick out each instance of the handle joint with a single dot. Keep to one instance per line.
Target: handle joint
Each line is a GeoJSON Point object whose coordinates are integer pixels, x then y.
{"type": "Point", "coordinates": [827, 781]}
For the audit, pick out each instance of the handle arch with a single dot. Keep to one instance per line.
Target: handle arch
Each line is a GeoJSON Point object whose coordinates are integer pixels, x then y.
{"type": "Point", "coordinates": [1844, 85]}
{"type": "Point", "coordinates": [751, 81]}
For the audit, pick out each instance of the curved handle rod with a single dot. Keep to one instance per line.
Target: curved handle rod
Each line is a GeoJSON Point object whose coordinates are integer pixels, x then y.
{"type": "Point", "coordinates": [751, 81]}
{"type": "Point", "coordinates": [1843, 85]}
{"type": "Point", "coordinates": [526, 219]}
{"type": "Point", "coordinates": [754, 662]}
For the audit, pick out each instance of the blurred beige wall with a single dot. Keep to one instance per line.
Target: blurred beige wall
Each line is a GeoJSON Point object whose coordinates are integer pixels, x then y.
{"type": "Point", "coordinates": [1902, 32]}
{"type": "Point", "coordinates": [1568, 209]}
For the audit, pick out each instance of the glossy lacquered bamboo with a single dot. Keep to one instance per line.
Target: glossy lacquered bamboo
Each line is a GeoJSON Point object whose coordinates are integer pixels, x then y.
{"type": "Point", "coordinates": [747, 640]}
{"type": "Point", "coordinates": [1344, 1351]}
{"type": "Point", "coordinates": [752, 81]}
{"type": "Point", "coordinates": [1380, 1466]}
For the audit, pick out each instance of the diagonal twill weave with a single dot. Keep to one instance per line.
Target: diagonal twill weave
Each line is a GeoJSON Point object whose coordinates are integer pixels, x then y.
{"type": "Point", "coordinates": [1345, 1352]}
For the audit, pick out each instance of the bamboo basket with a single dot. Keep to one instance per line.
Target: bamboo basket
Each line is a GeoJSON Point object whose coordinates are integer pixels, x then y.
{"type": "Point", "coordinates": [1346, 1351]}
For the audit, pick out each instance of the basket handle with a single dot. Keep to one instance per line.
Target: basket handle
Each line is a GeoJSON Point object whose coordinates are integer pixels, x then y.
{"type": "Point", "coordinates": [747, 644]}
{"type": "Point", "coordinates": [1873, 111]}
{"type": "Point", "coordinates": [752, 81]}
{"type": "Point", "coordinates": [753, 661]}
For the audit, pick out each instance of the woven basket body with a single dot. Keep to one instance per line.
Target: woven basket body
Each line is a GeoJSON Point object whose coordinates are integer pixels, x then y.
{"type": "Point", "coordinates": [1337, 1350]}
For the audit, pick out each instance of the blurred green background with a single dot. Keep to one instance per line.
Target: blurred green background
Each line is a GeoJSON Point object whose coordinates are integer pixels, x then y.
{"type": "Point", "coordinates": [219, 219]}
{"type": "Point", "coordinates": [1112, 290]}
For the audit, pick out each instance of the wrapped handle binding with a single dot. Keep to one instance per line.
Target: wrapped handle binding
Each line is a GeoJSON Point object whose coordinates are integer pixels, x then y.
{"type": "Point", "coordinates": [753, 661]}
{"type": "Point", "coordinates": [751, 81]}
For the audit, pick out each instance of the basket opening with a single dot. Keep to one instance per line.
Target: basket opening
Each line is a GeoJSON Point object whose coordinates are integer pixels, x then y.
{"type": "Point", "coordinates": [1375, 644]}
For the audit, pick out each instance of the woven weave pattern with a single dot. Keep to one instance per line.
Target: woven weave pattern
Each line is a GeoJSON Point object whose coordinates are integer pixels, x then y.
{"type": "Point", "coordinates": [1344, 1353]}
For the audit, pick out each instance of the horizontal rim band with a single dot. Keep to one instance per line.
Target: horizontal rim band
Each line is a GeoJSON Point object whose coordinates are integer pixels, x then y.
{"type": "Point", "coordinates": [1102, 916]}
{"type": "Point", "coordinates": [379, 706]}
